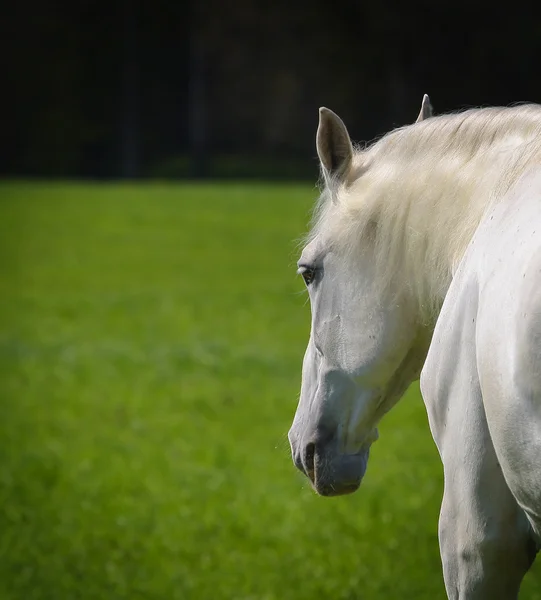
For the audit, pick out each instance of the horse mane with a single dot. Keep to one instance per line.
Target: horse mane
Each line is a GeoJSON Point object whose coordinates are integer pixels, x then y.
{"type": "Point", "coordinates": [418, 194]}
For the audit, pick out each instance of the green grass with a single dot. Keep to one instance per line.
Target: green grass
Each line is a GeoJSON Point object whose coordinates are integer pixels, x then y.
{"type": "Point", "coordinates": [151, 339]}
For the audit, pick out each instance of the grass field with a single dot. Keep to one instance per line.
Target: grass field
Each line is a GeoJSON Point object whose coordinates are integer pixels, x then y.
{"type": "Point", "coordinates": [151, 338]}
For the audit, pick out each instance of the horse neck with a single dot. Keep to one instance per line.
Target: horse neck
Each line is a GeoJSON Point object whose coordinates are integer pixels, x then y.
{"type": "Point", "coordinates": [442, 211]}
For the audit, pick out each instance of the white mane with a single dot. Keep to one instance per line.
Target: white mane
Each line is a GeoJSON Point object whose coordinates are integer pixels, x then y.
{"type": "Point", "coordinates": [419, 193]}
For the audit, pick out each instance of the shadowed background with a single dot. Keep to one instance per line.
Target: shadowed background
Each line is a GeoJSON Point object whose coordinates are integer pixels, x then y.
{"type": "Point", "coordinates": [167, 88]}
{"type": "Point", "coordinates": [158, 165]}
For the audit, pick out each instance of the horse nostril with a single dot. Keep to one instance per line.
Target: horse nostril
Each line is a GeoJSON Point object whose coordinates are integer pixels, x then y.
{"type": "Point", "coordinates": [309, 454]}
{"type": "Point", "coordinates": [297, 460]}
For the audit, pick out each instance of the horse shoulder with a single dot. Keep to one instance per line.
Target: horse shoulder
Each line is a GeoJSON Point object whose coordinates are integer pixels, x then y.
{"type": "Point", "coordinates": [450, 369]}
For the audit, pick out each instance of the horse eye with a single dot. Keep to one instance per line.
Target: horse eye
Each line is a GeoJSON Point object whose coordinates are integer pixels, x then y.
{"type": "Point", "coordinates": [308, 275]}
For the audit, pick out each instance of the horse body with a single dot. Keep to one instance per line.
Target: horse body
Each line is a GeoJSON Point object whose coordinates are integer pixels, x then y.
{"type": "Point", "coordinates": [425, 259]}
{"type": "Point", "coordinates": [481, 386]}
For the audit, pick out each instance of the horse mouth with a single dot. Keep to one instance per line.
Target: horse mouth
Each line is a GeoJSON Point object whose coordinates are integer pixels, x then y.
{"type": "Point", "coordinates": [329, 489]}
{"type": "Point", "coordinates": [336, 474]}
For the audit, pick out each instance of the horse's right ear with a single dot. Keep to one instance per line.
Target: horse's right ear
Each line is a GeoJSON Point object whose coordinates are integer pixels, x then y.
{"type": "Point", "coordinates": [333, 145]}
{"type": "Point", "coordinates": [426, 109]}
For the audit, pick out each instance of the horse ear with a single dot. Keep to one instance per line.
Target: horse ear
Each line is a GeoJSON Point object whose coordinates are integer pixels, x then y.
{"type": "Point", "coordinates": [426, 109]}
{"type": "Point", "coordinates": [333, 145]}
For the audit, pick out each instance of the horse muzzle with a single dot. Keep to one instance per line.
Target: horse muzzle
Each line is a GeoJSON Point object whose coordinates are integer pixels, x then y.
{"type": "Point", "coordinates": [330, 472]}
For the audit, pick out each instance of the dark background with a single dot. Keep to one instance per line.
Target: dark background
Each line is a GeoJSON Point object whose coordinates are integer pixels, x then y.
{"type": "Point", "coordinates": [231, 89]}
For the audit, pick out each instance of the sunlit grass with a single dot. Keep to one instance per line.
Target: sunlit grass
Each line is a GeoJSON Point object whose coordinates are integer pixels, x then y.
{"type": "Point", "coordinates": [151, 338]}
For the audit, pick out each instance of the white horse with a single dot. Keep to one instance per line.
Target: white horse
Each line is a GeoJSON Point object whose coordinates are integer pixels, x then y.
{"type": "Point", "coordinates": [425, 260]}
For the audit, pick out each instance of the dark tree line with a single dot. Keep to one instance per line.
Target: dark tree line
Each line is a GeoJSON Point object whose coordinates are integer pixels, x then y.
{"type": "Point", "coordinates": [129, 88]}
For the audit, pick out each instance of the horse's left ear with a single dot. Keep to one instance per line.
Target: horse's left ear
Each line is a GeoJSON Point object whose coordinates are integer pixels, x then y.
{"type": "Point", "coordinates": [426, 109]}
{"type": "Point", "coordinates": [333, 145]}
